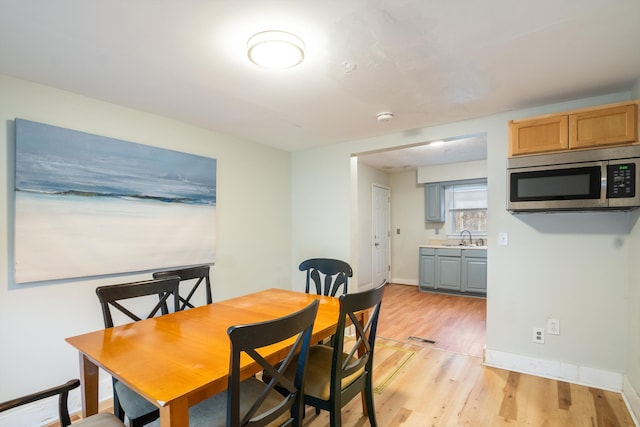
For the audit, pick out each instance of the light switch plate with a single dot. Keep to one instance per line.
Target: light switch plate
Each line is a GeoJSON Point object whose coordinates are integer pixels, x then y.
{"type": "Point", "coordinates": [503, 238]}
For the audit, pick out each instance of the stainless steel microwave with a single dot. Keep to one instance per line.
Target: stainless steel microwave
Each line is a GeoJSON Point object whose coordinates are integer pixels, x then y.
{"type": "Point", "coordinates": [583, 180]}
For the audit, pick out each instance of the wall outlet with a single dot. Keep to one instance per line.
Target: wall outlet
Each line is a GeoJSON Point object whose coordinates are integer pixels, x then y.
{"type": "Point", "coordinates": [538, 335]}
{"type": "Point", "coordinates": [553, 326]}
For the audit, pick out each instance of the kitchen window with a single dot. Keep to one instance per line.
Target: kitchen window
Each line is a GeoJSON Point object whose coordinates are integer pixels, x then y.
{"type": "Point", "coordinates": [467, 207]}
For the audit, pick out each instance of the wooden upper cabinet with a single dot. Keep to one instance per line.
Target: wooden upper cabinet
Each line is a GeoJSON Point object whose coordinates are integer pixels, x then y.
{"type": "Point", "coordinates": [614, 124]}
{"type": "Point", "coordinates": [539, 135]}
{"type": "Point", "coordinates": [607, 126]}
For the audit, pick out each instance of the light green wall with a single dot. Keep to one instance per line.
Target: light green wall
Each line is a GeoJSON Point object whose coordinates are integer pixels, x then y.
{"type": "Point", "coordinates": [633, 336]}
{"type": "Point", "coordinates": [253, 228]}
{"type": "Point", "coordinates": [321, 219]}
{"type": "Point", "coordinates": [573, 266]}
{"type": "Point", "coordinates": [407, 214]}
{"type": "Point", "coordinates": [635, 92]}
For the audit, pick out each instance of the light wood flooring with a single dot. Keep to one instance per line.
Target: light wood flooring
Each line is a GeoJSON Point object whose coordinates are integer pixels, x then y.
{"type": "Point", "coordinates": [445, 384]}
{"type": "Point", "coordinates": [455, 323]}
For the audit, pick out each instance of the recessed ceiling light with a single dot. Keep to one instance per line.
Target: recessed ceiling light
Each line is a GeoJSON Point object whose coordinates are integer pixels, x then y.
{"type": "Point", "coordinates": [275, 49]}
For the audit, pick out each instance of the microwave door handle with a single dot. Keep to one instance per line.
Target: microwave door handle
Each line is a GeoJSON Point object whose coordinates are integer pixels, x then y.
{"type": "Point", "coordinates": [603, 183]}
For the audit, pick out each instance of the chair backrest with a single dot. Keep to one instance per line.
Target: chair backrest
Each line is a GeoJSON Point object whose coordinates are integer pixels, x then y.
{"type": "Point", "coordinates": [114, 296]}
{"type": "Point", "coordinates": [361, 354]}
{"type": "Point", "coordinates": [328, 275]}
{"type": "Point", "coordinates": [190, 275]}
{"type": "Point", "coordinates": [248, 339]}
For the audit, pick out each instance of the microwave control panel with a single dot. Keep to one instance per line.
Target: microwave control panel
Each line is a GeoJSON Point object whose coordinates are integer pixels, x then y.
{"type": "Point", "coordinates": [621, 180]}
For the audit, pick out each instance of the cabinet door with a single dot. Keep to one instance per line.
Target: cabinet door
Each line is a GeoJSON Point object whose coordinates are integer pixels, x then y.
{"type": "Point", "coordinates": [448, 273]}
{"type": "Point", "coordinates": [474, 275]}
{"type": "Point", "coordinates": [606, 126]}
{"type": "Point", "coordinates": [427, 272]}
{"type": "Point", "coordinates": [539, 135]}
{"type": "Point", "coordinates": [434, 202]}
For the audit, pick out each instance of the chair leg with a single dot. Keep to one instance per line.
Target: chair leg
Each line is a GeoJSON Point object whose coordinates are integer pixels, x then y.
{"type": "Point", "coordinates": [117, 409]}
{"type": "Point", "coordinates": [335, 417]}
{"type": "Point", "coordinates": [368, 398]}
{"type": "Point", "coordinates": [145, 419]}
{"type": "Point", "coordinates": [297, 413]}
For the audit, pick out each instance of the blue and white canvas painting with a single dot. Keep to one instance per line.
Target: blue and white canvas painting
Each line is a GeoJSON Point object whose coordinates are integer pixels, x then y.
{"type": "Point", "coordinates": [87, 205]}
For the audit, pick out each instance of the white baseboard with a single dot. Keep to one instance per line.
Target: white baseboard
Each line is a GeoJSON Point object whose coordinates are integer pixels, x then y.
{"type": "Point", "coordinates": [364, 287]}
{"type": "Point", "coordinates": [556, 370]}
{"type": "Point", "coordinates": [631, 399]}
{"type": "Point", "coordinates": [404, 281]}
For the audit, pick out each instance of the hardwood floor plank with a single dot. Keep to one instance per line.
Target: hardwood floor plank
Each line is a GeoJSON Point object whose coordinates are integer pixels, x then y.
{"type": "Point", "coordinates": [605, 415]}
{"type": "Point", "coordinates": [509, 406]}
{"type": "Point", "coordinates": [564, 395]}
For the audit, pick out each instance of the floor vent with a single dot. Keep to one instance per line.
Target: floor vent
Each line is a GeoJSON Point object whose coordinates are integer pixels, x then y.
{"type": "Point", "coordinates": [421, 339]}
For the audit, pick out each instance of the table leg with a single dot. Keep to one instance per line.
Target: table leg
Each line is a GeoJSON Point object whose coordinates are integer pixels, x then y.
{"type": "Point", "coordinates": [175, 414]}
{"type": "Point", "coordinates": [89, 380]}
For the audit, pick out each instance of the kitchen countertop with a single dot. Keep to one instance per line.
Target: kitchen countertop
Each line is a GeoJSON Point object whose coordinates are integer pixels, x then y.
{"type": "Point", "coordinates": [452, 246]}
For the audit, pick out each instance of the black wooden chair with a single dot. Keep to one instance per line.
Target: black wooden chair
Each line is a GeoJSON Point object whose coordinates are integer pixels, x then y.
{"type": "Point", "coordinates": [328, 275]}
{"type": "Point", "coordinates": [338, 373]}
{"type": "Point", "coordinates": [190, 275]}
{"type": "Point", "coordinates": [253, 402]}
{"type": "Point", "coordinates": [62, 391]}
{"type": "Point", "coordinates": [123, 298]}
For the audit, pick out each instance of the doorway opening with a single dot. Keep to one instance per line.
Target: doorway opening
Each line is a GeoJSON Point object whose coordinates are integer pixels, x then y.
{"type": "Point", "coordinates": [403, 171]}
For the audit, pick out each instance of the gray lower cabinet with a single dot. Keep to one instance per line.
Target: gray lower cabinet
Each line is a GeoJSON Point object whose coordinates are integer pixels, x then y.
{"type": "Point", "coordinates": [448, 269]}
{"type": "Point", "coordinates": [474, 271]}
{"type": "Point", "coordinates": [453, 270]}
{"type": "Point", "coordinates": [427, 268]}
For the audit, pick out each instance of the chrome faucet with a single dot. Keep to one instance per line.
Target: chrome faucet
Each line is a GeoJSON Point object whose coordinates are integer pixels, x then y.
{"type": "Point", "coordinates": [462, 238]}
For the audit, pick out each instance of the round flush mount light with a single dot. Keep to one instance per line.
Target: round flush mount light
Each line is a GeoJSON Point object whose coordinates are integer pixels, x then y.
{"type": "Point", "coordinates": [275, 49]}
{"type": "Point", "coordinates": [385, 116]}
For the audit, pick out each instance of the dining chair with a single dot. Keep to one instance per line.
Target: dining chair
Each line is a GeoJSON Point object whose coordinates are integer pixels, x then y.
{"type": "Point", "coordinates": [194, 276]}
{"type": "Point", "coordinates": [104, 419]}
{"type": "Point", "coordinates": [129, 300]}
{"type": "Point", "coordinates": [327, 274]}
{"type": "Point", "coordinates": [338, 373]}
{"type": "Point", "coordinates": [252, 402]}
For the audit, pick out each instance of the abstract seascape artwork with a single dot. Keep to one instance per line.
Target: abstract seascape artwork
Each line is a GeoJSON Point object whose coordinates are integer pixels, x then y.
{"type": "Point", "coordinates": [88, 205]}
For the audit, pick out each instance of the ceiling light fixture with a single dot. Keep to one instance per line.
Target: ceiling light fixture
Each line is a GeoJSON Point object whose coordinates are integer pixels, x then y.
{"type": "Point", "coordinates": [385, 117]}
{"type": "Point", "coordinates": [275, 49]}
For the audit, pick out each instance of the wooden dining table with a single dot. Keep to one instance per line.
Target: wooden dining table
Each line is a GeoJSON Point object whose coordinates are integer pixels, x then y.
{"type": "Point", "coordinates": [182, 358]}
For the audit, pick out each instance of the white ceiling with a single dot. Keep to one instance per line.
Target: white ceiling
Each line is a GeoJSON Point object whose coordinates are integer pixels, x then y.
{"type": "Point", "coordinates": [427, 61]}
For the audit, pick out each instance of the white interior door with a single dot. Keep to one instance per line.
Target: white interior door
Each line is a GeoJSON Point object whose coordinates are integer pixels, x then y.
{"type": "Point", "coordinates": [381, 223]}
